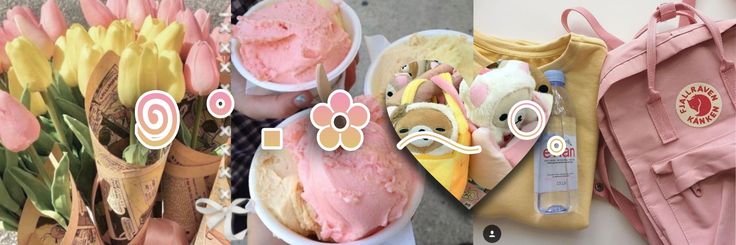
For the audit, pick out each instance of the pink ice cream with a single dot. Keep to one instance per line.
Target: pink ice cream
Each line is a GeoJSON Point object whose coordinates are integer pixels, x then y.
{"type": "Point", "coordinates": [353, 194]}
{"type": "Point", "coordinates": [285, 41]}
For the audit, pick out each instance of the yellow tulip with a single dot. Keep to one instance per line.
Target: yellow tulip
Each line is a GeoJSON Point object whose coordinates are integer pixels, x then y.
{"type": "Point", "coordinates": [151, 28]}
{"type": "Point", "coordinates": [71, 45]}
{"type": "Point", "coordinates": [136, 75]}
{"type": "Point", "coordinates": [91, 54]}
{"type": "Point", "coordinates": [38, 107]}
{"type": "Point", "coordinates": [31, 66]}
{"type": "Point", "coordinates": [171, 38]}
{"type": "Point", "coordinates": [171, 74]}
{"type": "Point", "coordinates": [58, 58]}
{"type": "Point", "coordinates": [97, 33]}
{"type": "Point", "coordinates": [120, 33]}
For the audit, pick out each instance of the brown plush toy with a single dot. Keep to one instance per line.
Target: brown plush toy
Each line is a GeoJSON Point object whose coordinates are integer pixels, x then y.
{"type": "Point", "coordinates": [421, 117]}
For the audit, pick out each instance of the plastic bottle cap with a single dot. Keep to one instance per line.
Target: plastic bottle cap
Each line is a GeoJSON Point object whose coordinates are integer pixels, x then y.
{"type": "Point", "coordinates": [555, 77]}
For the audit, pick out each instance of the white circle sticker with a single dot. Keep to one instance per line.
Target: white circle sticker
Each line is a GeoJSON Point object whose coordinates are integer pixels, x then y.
{"type": "Point", "coordinates": [698, 105]}
{"type": "Point", "coordinates": [541, 120]}
{"type": "Point", "coordinates": [556, 145]}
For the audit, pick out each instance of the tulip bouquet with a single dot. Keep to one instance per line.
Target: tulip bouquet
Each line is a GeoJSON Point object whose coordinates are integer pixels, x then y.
{"type": "Point", "coordinates": [46, 68]}
{"type": "Point", "coordinates": [148, 34]}
{"type": "Point", "coordinates": [42, 110]}
{"type": "Point", "coordinates": [168, 47]}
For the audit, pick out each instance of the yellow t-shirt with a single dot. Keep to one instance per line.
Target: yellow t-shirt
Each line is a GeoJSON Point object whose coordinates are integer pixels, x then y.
{"type": "Point", "coordinates": [581, 59]}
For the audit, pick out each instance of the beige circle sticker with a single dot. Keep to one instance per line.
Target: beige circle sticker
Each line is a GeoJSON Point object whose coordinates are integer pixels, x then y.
{"type": "Point", "coordinates": [698, 105]}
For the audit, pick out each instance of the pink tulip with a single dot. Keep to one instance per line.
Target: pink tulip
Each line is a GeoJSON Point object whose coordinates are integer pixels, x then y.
{"type": "Point", "coordinates": [192, 31]}
{"type": "Point", "coordinates": [23, 128]}
{"type": "Point", "coordinates": [203, 19]}
{"type": "Point", "coordinates": [9, 22]}
{"type": "Point", "coordinates": [36, 35]}
{"type": "Point", "coordinates": [52, 20]}
{"type": "Point", "coordinates": [200, 70]}
{"type": "Point", "coordinates": [96, 13]}
{"type": "Point", "coordinates": [21, 10]}
{"type": "Point", "coordinates": [168, 9]}
{"type": "Point", "coordinates": [154, 7]}
{"type": "Point", "coordinates": [138, 10]}
{"type": "Point", "coordinates": [10, 28]}
{"type": "Point", "coordinates": [119, 8]}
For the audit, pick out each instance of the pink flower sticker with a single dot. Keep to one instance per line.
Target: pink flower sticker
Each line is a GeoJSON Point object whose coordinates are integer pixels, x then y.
{"type": "Point", "coordinates": [340, 122]}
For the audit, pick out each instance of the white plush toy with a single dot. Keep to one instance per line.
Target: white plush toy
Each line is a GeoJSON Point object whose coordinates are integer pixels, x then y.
{"type": "Point", "coordinates": [492, 94]}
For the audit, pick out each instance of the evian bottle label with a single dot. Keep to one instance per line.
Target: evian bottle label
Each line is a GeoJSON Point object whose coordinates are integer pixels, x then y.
{"type": "Point", "coordinates": [698, 105]}
{"type": "Point", "coordinates": [555, 173]}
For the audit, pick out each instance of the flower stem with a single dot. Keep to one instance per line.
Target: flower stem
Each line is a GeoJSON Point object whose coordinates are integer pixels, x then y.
{"type": "Point", "coordinates": [132, 128]}
{"type": "Point", "coordinates": [4, 86]}
{"type": "Point", "coordinates": [54, 114]}
{"type": "Point", "coordinates": [197, 121]}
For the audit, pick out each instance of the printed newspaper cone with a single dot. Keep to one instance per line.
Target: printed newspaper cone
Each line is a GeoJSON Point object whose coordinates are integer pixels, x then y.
{"type": "Point", "coordinates": [128, 191]}
{"type": "Point", "coordinates": [215, 235]}
{"type": "Point", "coordinates": [34, 229]}
{"type": "Point", "coordinates": [189, 175]}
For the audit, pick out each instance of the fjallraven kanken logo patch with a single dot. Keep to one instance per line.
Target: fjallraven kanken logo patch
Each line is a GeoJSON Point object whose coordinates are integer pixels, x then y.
{"type": "Point", "coordinates": [698, 105]}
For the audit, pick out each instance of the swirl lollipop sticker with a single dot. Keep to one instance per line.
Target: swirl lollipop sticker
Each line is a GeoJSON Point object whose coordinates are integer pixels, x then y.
{"type": "Point", "coordinates": [157, 119]}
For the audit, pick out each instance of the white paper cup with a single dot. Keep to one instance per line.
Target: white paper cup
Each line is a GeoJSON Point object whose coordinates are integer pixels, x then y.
{"type": "Point", "coordinates": [352, 27]}
{"type": "Point", "coordinates": [282, 232]}
{"type": "Point", "coordinates": [383, 47]}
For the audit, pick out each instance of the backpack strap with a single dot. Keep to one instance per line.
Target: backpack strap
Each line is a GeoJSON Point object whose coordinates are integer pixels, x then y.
{"type": "Point", "coordinates": [683, 21]}
{"type": "Point", "coordinates": [617, 199]}
{"type": "Point", "coordinates": [612, 42]}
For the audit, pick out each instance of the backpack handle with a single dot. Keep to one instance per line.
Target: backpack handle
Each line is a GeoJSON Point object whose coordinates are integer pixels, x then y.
{"type": "Point", "coordinates": [655, 106]}
{"type": "Point", "coordinates": [612, 41]}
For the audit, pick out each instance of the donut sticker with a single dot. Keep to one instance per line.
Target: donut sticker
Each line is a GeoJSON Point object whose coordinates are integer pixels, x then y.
{"type": "Point", "coordinates": [698, 105]}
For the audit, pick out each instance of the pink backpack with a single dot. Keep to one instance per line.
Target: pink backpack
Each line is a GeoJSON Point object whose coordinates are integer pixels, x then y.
{"type": "Point", "coordinates": [667, 114]}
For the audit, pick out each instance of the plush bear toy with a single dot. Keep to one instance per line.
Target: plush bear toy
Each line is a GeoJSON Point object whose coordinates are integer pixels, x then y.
{"type": "Point", "coordinates": [421, 117]}
{"type": "Point", "coordinates": [492, 94]}
{"type": "Point", "coordinates": [407, 73]}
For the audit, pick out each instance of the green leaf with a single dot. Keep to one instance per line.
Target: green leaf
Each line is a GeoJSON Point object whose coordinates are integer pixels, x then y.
{"type": "Point", "coordinates": [85, 177]}
{"type": "Point", "coordinates": [2, 161]}
{"type": "Point", "coordinates": [73, 110]}
{"type": "Point", "coordinates": [38, 193]}
{"type": "Point", "coordinates": [15, 191]}
{"type": "Point", "coordinates": [73, 158]}
{"type": "Point", "coordinates": [25, 98]}
{"type": "Point", "coordinates": [8, 220]}
{"type": "Point", "coordinates": [61, 196]}
{"type": "Point", "coordinates": [11, 160]}
{"type": "Point", "coordinates": [81, 131]}
{"type": "Point", "coordinates": [8, 203]}
{"type": "Point", "coordinates": [63, 91]}
{"type": "Point", "coordinates": [136, 154]}
{"type": "Point", "coordinates": [46, 124]}
{"type": "Point", "coordinates": [78, 97]}
{"type": "Point", "coordinates": [184, 134]}
{"type": "Point", "coordinates": [44, 144]}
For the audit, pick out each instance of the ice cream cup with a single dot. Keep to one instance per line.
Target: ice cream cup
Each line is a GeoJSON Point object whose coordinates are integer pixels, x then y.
{"type": "Point", "coordinates": [352, 27]}
{"type": "Point", "coordinates": [378, 46]}
{"type": "Point", "coordinates": [282, 232]}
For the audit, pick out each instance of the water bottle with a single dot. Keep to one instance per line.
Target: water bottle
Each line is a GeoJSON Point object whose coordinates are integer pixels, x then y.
{"type": "Point", "coordinates": [555, 167]}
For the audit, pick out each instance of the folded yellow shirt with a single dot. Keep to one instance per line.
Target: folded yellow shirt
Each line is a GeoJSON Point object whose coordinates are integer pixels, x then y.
{"type": "Point", "coordinates": [580, 58]}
